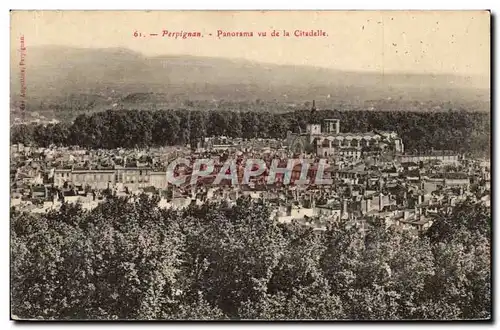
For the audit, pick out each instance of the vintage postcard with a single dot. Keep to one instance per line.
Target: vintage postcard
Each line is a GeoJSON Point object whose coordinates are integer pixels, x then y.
{"type": "Point", "coordinates": [250, 165]}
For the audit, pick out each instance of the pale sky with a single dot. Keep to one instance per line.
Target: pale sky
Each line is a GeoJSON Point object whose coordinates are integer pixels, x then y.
{"type": "Point", "coordinates": [393, 41]}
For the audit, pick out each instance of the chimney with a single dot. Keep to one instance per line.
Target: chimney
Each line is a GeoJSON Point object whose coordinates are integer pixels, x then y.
{"type": "Point", "coordinates": [313, 108]}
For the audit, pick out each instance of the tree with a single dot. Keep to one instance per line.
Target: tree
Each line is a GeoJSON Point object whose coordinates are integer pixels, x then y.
{"type": "Point", "coordinates": [461, 248]}
{"type": "Point", "coordinates": [120, 258]}
{"type": "Point", "coordinates": [458, 131]}
{"type": "Point", "coordinates": [22, 134]}
{"type": "Point", "coordinates": [297, 288]}
{"type": "Point", "coordinates": [232, 255]}
{"type": "Point", "coordinates": [130, 259]}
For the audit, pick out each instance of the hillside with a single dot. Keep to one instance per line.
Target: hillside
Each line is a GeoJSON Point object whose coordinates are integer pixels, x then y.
{"type": "Point", "coordinates": [73, 79]}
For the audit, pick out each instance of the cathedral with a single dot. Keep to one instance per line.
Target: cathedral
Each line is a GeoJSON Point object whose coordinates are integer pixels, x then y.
{"type": "Point", "coordinates": [326, 140]}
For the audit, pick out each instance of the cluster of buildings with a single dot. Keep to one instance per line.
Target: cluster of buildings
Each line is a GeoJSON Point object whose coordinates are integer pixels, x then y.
{"type": "Point", "coordinates": [370, 175]}
{"type": "Point", "coordinates": [32, 118]}
{"type": "Point", "coordinates": [326, 140]}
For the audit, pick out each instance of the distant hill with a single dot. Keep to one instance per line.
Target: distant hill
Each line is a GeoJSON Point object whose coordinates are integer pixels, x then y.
{"type": "Point", "coordinates": [94, 79]}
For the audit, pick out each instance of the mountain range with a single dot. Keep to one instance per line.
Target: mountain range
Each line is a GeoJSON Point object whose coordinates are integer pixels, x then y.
{"type": "Point", "coordinates": [111, 77]}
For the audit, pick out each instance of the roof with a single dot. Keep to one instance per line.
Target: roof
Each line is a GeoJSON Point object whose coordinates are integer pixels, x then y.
{"type": "Point", "coordinates": [433, 153]}
{"type": "Point", "coordinates": [341, 136]}
{"type": "Point", "coordinates": [417, 222]}
{"type": "Point", "coordinates": [331, 206]}
{"type": "Point", "coordinates": [449, 176]}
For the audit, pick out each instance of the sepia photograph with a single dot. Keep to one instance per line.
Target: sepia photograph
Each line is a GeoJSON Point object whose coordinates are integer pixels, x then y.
{"type": "Point", "coordinates": [250, 165]}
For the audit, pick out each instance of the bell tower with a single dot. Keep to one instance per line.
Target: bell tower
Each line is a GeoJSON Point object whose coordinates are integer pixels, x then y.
{"type": "Point", "coordinates": [331, 126]}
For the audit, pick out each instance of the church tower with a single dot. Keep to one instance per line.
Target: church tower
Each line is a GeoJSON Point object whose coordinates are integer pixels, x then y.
{"type": "Point", "coordinates": [313, 108]}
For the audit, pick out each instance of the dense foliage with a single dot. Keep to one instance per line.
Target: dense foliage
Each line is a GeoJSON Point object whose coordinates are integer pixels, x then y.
{"type": "Point", "coordinates": [131, 259]}
{"type": "Point", "coordinates": [454, 130]}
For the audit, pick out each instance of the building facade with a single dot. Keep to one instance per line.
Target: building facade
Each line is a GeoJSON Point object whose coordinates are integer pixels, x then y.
{"type": "Point", "coordinates": [327, 140]}
{"type": "Point", "coordinates": [133, 178]}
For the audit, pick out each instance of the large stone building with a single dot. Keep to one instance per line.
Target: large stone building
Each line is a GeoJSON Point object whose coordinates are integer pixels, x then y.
{"type": "Point", "coordinates": [132, 178]}
{"type": "Point", "coordinates": [445, 156]}
{"type": "Point", "coordinates": [327, 140]}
